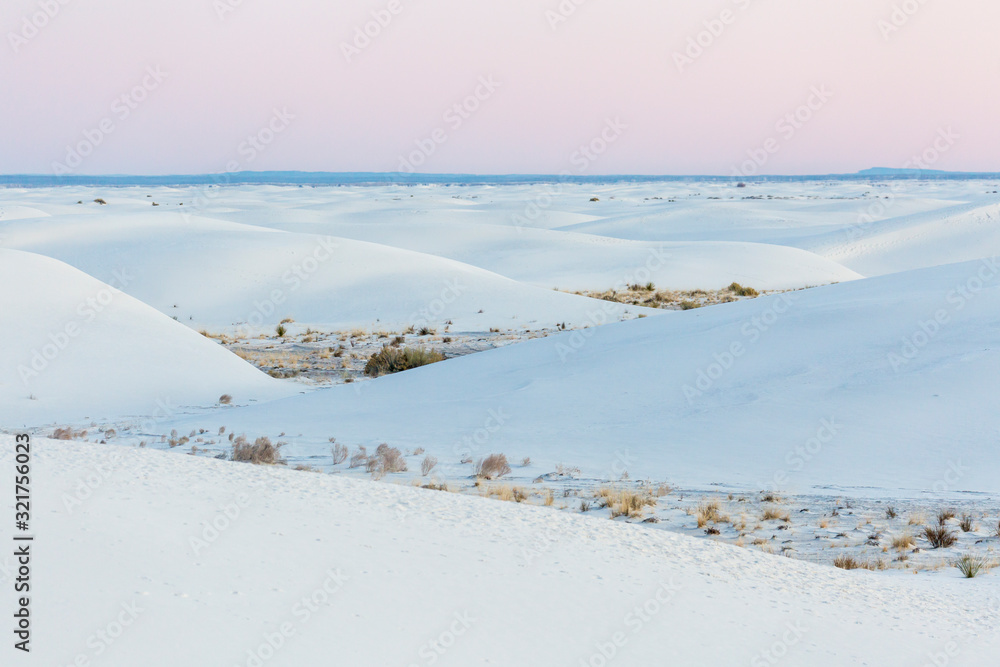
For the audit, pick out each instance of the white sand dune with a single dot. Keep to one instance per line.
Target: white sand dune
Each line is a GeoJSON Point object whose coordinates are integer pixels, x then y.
{"type": "Point", "coordinates": [165, 560]}
{"type": "Point", "coordinates": [76, 348]}
{"type": "Point", "coordinates": [221, 274]}
{"type": "Point", "coordinates": [956, 234]}
{"type": "Point", "coordinates": [900, 366]}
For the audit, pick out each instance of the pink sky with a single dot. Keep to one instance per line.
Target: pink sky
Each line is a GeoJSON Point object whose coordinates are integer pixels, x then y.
{"type": "Point", "coordinates": [226, 76]}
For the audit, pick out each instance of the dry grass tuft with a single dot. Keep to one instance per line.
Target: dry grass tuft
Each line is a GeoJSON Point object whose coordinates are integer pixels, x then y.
{"type": "Point", "coordinates": [427, 465]}
{"type": "Point", "coordinates": [625, 502]}
{"type": "Point", "coordinates": [67, 434]}
{"type": "Point", "coordinates": [847, 562]}
{"type": "Point", "coordinates": [493, 466]}
{"type": "Point", "coordinates": [775, 514]}
{"type": "Point", "coordinates": [940, 537]}
{"type": "Point", "coordinates": [394, 360]}
{"type": "Point", "coordinates": [339, 453]}
{"type": "Point", "coordinates": [261, 452]}
{"type": "Point", "coordinates": [904, 541]}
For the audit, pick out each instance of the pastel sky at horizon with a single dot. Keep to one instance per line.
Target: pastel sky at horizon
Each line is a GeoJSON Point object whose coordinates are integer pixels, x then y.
{"type": "Point", "coordinates": [228, 65]}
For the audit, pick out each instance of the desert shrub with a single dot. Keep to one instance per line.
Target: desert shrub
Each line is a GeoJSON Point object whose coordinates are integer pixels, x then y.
{"type": "Point", "coordinates": [712, 530]}
{"type": "Point", "coordinates": [904, 541]}
{"type": "Point", "coordinates": [940, 537]}
{"type": "Point", "coordinates": [774, 514]}
{"type": "Point", "coordinates": [280, 330]}
{"type": "Point", "coordinates": [625, 502]}
{"type": "Point", "coordinates": [67, 434]}
{"type": "Point", "coordinates": [966, 523]}
{"type": "Point", "coordinates": [427, 465]}
{"type": "Point", "coordinates": [225, 399]}
{"type": "Point", "coordinates": [388, 459]}
{"type": "Point", "coordinates": [890, 512]}
{"type": "Point", "coordinates": [707, 512]}
{"type": "Point", "coordinates": [494, 465]}
{"type": "Point", "coordinates": [100, 201]}
{"type": "Point", "coordinates": [426, 331]}
{"type": "Point", "coordinates": [261, 452]}
{"type": "Point", "coordinates": [689, 305]}
{"type": "Point", "coordinates": [418, 451]}
{"type": "Point", "coordinates": [740, 290]}
{"type": "Point", "coordinates": [584, 506]}
{"type": "Point", "coordinates": [972, 566]}
{"type": "Point", "coordinates": [393, 360]}
{"type": "Point", "coordinates": [339, 452]}
{"type": "Point", "coordinates": [359, 458]}
{"type": "Point", "coordinates": [945, 516]}
{"type": "Point", "coordinates": [847, 562]}
{"type": "Point", "coordinates": [526, 461]}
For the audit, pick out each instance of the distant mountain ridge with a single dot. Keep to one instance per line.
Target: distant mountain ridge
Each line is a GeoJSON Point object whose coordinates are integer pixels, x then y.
{"type": "Point", "coordinates": [323, 178]}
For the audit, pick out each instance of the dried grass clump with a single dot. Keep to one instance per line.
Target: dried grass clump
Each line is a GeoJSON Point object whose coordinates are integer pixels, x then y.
{"type": "Point", "coordinates": [359, 458]}
{"type": "Point", "coordinates": [339, 453]}
{"type": "Point", "coordinates": [225, 399]}
{"type": "Point", "coordinates": [945, 516]}
{"type": "Point", "coordinates": [493, 466]}
{"type": "Point", "coordinates": [394, 360]}
{"type": "Point", "coordinates": [427, 465]}
{"type": "Point", "coordinates": [389, 459]}
{"type": "Point", "coordinates": [847, 562]}
{"type": "Point", "coordinates": [966, 523]}
{"type": "Point", "coordinates": [740, 290]}
{"type": "Point", "coordinates": [775, 514]}
{"type": "Point", "coordinates": [67, 434]}
{"type": "Point", "coordinates": [625, 502]}
{"type": "Point", "coordinates": [261, 452]}
{"type": "Point", "coordinates": [904, 541]}
{"type": "Point", "coordinates": [708, 512]}
{"type": "Point", "coordinates": [940, 537]}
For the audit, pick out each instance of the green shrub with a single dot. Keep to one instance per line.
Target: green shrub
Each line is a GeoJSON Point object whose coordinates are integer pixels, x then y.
{"type": "Point", "coordinates": [393, 360]}
{"type": "Point", "coordinates": [740, 290]}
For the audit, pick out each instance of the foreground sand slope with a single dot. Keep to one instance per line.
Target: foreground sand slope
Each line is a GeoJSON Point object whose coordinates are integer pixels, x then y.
{"type": "Point", "coordinates": [340, 572]}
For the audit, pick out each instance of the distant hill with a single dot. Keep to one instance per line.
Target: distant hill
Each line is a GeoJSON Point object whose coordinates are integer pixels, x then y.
{"type": "Point", "coordinates": [325, 178]}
